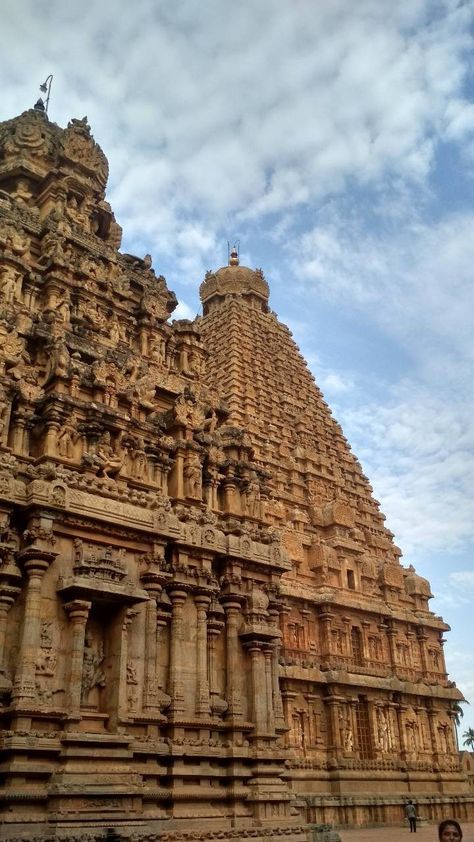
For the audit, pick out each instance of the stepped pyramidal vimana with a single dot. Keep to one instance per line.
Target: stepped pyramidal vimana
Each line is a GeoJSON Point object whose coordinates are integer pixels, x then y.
{"type": "Point", "coordinates": [205, 628]}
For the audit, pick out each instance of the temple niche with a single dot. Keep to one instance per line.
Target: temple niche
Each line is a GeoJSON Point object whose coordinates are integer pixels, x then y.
{"type": "Point", "coordinates": [205, 626]}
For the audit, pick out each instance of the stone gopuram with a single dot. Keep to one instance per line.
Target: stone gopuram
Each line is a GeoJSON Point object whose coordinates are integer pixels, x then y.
{"type": "Point", "coordinates": [205, 628]}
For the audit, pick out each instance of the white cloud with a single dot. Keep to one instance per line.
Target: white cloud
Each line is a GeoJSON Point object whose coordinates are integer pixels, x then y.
{"type": "Point", "coordinates": [238, 109]}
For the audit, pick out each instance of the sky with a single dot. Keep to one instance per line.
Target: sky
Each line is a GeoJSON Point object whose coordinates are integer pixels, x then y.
{"type": "Point", "coordinates": [335, 141]}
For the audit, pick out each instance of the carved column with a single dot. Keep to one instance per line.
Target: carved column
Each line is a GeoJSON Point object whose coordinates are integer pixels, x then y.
{"type": "Point", "coordinates": [400, 709]}
{"type": "Point", "coordinates": [53, 425]}
{"type": "Point", "coordinates": [275, 668]}
{"type": "Point", "coordinates": [258, 688]}
{"type": "Point", "coordinates": [162, 629]}
{"type": "Point", "coordinates": [326, 618]}
{"type": "Point", "coordinates": [202, 603]}
{"type": "Point", "coordinates": [422, 638]}
{"type": "Point", "coordinates": [176, 688]}
{"type": "Point", "coordinates": [333, 705]}
{"type": "Point", "coordinates": [10, 582]}
{"type": "Point", "coordinates": [215, 625]}
{"type": "Point", "coordinates": [231, 497]}
{"type": "Point", "coordinates": [352, 708]}
{"type": "Point", "coordinates": [433, 731]}
{"type": "Point", "coordinates": [233, 665]}
{"type": "Point", "coordinates": [35, 568]}
{"type": "Point", "coordinates": [391, 637]}
{"type": "Point", "coordinates": [123, 701]}
{"type": "Point", "coordinates": [18, 432]}
{"type": "Point", "coordinates": [269, 691]}
{"type": "Point", "coordinates": [78, 611]}
{"type": "Point", "coordinates": [6, 602]}
{"type": "Point", "coordinates": [176, 476]}
{"type": "Point", "coordinates": [288, 697]}
{"type": "Point", "coordinates": [365, 626]}
{"type": "Point", "coordinates": [150, 682]}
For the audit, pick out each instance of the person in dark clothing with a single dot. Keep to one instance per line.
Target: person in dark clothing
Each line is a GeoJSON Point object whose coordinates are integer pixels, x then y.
{"type": "Point", "coordinates": [410, 811]}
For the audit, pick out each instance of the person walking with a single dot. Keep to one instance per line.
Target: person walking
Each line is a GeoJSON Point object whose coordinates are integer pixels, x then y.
{"type": "Point", "coordinates": [449, 831]}
{"type": "Point", "coordinates": [410, 811]}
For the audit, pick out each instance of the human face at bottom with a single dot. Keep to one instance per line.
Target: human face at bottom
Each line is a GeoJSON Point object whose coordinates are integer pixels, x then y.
{"type": "Point", "coordinates": [450, 834]}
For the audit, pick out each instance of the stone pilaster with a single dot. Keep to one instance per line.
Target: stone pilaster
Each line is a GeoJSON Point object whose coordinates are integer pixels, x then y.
{"type": "Point", "coordinates": [422, 638]}
{"type": "Point", "coordinates": [78, 612]}
{"type": "Point", "coordinates": [178, 597]}
{"type": "Point", "coordinates": [325, 618]}
{"type": "Point", "coordinates": [432, 717]}
{"type": "Point", "coordinates": [233, 666]}
{"type": "Point", "coordinates": [202, 603]}
{"type": "Point", "coordinates": [332, 704]}
{"type": "Point", "coordinates": [150, 701]}
{"type": "Point", "coordinates": [215, 624]}
{"type": "Point", "coordinates": [275, 669]}
{"type": "Point", "coordinates": [399, 710]}
{"type": "Point", "coordinates": [391, 637]}
{"type": "Point", "coordinates": [6, 602]}
{"type": "Point", "coordinates": [24, 690]}
{"type": "Point", "coordinates": [259, 698]}
{"type": "Point", "coordinates": [53, 425]}
{"type": "Point", "coordinates": [269, 691]}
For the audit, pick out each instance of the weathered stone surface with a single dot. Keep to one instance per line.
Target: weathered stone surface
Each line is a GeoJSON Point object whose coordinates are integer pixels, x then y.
{"type": "Point", "coordinates": [205, 628]}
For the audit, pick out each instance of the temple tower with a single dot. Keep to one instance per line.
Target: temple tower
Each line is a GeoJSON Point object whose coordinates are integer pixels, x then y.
{"type": "Point", "coordinates": [204, 624]}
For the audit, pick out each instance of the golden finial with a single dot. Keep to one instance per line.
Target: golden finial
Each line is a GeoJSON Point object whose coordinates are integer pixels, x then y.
{"type": "Point", "coordinates": [234, 256]}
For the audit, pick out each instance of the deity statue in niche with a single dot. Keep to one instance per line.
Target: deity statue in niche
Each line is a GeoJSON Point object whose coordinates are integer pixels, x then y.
{"type": "Point", "coordinates": [68, 437]}
{"type": "Point", "coordinates": [92, 668]}
{"type": "Point", "coordinates": [22, 193]}
{"type": "Point", "coordinates": [193, 476]}
{"type": "Point", "coordinates": [9, 284]}
{"type": "Point", "coordinates": [139, 459]}
{"type": "Point", "coordinates": [107, 458]}
{"type": "Point", "coordinates": [64, 310]}
{"type": "Point", "coordinates": [252, 496]}
{"type": "Point", "coordinates": [383, 731]}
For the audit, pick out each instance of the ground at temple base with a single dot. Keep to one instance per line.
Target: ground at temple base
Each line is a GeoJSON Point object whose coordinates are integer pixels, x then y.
{"type": "Point", "coordinates": [428, 833]}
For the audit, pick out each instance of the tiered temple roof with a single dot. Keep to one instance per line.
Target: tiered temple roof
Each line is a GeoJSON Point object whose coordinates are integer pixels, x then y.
{"type": "Point", "coordinates": [205, 626]}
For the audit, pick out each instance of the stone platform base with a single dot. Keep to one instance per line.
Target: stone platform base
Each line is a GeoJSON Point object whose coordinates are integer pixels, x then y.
{"type": "Point", "coordinates": [301, 833]}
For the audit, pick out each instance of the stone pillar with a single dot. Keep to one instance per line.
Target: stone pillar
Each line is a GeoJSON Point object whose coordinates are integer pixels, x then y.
{"type": "Point", "coordinates": [269, 691]}
{"type": "Point", "coordinates": [422, 637]}
{"type": "Point", "coordinates": [233, 664]}
{"type": "Point", "coordinates": [352, 711]}
{"type": "Point", "coordinates": [176, 476]}
{"type": "Point", "coordinates": [275, 671]}
{"type": "Point", "coordinates": [215, 624]}
{"type": "Point", "coordinates": [231, 497]}
{"type": "Point", "coordinates": [365, 626]}
{"type": "Point", "coordinates": [258, 688]}
{"type": "Point", "coordinates": [6, 602]}
{"type": "Point", "coordinates": [433, 731]}
{"type": "Point", "coordinates": [373, 724]}
{"type": "Point", "coordinates": [399, 709]}
{"type": "Point", "coordinates": [78, 611]}
{"type": "Point", "coordinates": [176, 688]}
{"type": "Point", "coordinates": [18, 433]}
{"type": "Point", "coordinates": [162, 629]}
{"type": "Point", "coordinates": [24, 682]}
{"type": "Point", "coordinates": [53, 425]}
{"type": "Point", "coordinates": [202, 682]}
{"type": "Point", "coordinates": [326, 618]}
{"type": "Point", "coordinates": [391, 637]}
{"type": "Point", "coordinates": [333, 705]}
{"type": "Point", "coordinates": [123, 700]}
{"type": "Point", "coordinates": [150, 678]}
